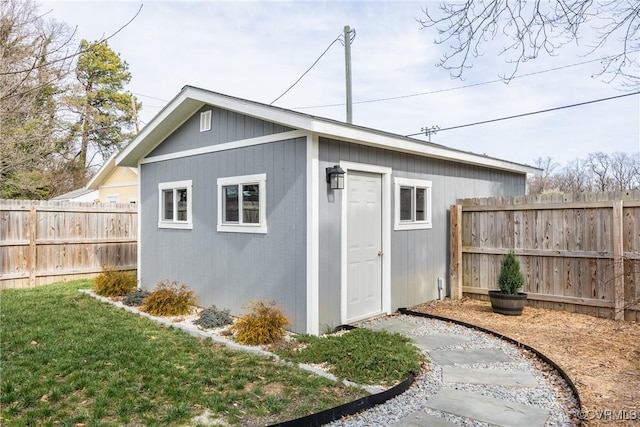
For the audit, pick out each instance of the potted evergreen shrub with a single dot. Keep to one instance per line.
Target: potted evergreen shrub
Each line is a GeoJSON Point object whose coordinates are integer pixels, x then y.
{"type": "Point", "coordinates": [508, 299]}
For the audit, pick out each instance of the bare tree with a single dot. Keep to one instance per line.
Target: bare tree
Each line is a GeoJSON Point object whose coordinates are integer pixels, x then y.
{"type": "Point", "coordinates": [598, 172]}
{"type": "Point", "coordinates": [31, 83]}
{"type": "Point", "coordinates": [37, 66]}
{"type": "Point", "coordinates": [574, 178]}
{"type": "Point", "coordinates": [544, 182]}
{"type": "Point", "coordinates": [624, 171]}
{"type": "Point", "coordinates": [529, 28]}
{"type": "Point", "coordinates": [600, 165]}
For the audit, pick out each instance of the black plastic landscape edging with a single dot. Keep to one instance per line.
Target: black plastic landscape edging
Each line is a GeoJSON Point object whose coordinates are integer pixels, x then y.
{"type": "Point", "coordinates": [364, 403]}
{"type": "Point", "coordinates": [544, 358]}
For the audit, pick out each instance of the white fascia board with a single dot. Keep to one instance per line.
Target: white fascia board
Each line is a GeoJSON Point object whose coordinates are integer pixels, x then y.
{"type": "Point", "coordinates": [185, 104]}
{"type": "Point", "coordinates": [398, 143]}
{"type": "Point", "coordinates": [191, 99]}
{"type": "Point", "coordinates": [162, 125]}
{"type": "Point", "coordinates": [250, 108]}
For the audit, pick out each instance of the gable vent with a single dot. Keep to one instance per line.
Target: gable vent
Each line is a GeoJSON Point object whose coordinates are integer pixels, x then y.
{"type": "Point", "coordinates": [205, 121]}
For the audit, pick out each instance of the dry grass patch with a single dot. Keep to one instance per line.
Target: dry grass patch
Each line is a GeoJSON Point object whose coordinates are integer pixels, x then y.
{"type": "Point", "coordinates": [601, 356]}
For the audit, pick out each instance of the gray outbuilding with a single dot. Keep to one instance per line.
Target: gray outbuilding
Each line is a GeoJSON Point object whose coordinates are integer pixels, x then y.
{"type": "Point", "coordinates": [235, 203]}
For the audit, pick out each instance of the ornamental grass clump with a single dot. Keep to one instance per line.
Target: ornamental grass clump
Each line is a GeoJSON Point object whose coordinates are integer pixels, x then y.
{"type": "Point", "coordinates": [169, 299]}
{"type": "Point", "coordinates": [114, 283]}
{"type": "Point", "coordinates": [510, 280]}
{"type": "Point", "coordinates": [264, 324]}
{"type": "Point", "coordinates": [211, 318]}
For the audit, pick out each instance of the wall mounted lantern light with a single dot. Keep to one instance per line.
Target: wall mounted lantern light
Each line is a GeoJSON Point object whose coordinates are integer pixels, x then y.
{"type": "Point", "coordinates": [335, 177]}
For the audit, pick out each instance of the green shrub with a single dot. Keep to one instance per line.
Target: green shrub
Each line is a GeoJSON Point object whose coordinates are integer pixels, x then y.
{"type": "Point", "coordinates": [211, 317]}
{"type": "Point", "coordinates": [169, 299]}
{"type": "Point", "coordinates": [360, 355]}
{"type": "Point", "coordinates": [135, 298]}
{"type": "Point", "coordinates": [264, 324]}
{"type": "Point", "coordinates": [510, 280]}
{"type": "Point", "coordinates": [114, 283]}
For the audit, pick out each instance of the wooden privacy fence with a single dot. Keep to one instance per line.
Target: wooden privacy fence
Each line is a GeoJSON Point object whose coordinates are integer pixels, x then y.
{"type": "Point", "coordinates": [577, 252]}
{"type": "Point", "coordinates": [43, 242]}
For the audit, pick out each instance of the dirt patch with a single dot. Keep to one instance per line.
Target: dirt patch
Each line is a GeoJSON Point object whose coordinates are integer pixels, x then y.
{"type": "Point", "coordinates": [601, 356]}
{"type": "Point", "coordinates": [273, 389]}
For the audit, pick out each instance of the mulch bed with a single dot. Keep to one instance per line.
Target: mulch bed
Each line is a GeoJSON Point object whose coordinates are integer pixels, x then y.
{"type": "Point", "coordinates": [601, 356]}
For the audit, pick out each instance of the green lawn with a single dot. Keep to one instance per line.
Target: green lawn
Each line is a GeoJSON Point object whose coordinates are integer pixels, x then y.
{"type": "Point", "coordinates": [362, 356]}
{"type": "Point", "coordinates": [68, 359]}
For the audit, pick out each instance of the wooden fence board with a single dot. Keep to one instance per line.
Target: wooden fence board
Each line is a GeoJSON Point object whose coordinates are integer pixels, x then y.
{"type": "Point", "coordinates": [47, 241]}
{"type": "Point", "coordinates": [578, 252]}
{"type": "Point", "coordinates": [456, 253]}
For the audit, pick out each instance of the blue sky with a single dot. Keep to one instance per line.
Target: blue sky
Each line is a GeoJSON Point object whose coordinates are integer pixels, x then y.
{"type": "Point", "coordinates": [256, 50]}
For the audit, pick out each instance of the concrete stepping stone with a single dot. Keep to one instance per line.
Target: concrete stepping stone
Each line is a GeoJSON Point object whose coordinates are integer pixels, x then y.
{"type": "Point", "coordinates": [455, 374]}
{"type": "Point", "coordinates": [421, 419]}
{"type": "Point", "coordinates": [488, 409]}
{"type": "Point", "coordinates": [394, 325]}
{"type": "Point", "coordinates": [431, 342]}
{"type": "Point", "coordinates": [468, 357]}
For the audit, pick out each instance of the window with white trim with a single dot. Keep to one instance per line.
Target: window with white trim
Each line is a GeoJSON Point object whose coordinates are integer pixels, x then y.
{"type": "Point", "coordinates": [242, 203]}
{"type": "Point", "coordinates": [205, 121]}
{"type": "Point", "coordinates": [412, 204]}
{"type": "Point", "coordinates": [175, 204]}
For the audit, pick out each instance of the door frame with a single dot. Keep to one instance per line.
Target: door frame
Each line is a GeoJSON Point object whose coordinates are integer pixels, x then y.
{"type": "Point", "coordinates": [385, 173]}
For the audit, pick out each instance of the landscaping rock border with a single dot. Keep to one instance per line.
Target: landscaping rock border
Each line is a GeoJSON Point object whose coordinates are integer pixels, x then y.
{"type": "Point", "coordinates": [383, 406]}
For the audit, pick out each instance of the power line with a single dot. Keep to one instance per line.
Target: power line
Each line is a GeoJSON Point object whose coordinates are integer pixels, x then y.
{"type": "Point", "coordinates": [153, 106]}
{"type": "Point", "coordinates": [391, 98]}
{"type": "Point", "coordinates": [150, 97]}
{"type": "Point", "coordinates": [77, 53]}
{"type": "Point", "coordinates": [305, 73]}
{"type": "Point", "coordinates": [532, 113]}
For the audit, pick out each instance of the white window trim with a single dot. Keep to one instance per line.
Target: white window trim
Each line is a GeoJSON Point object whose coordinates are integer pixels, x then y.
{"type": "Point", "coordinates": [261, 226]}
{"type": "Point", "coordinates": [205, 121]}
{"type": "Point", "coordinates": [411, 225]}
{"type": "Point", "coordinates": [188, 224]}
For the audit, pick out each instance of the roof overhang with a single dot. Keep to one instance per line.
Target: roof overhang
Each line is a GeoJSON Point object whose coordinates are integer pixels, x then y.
{"type": "Point", "coordinates": [408, 145]}
{"type": "Point", "coordinates": [191, 99]}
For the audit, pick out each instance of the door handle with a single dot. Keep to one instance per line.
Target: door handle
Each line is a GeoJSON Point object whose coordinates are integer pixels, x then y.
{"type": "Point", "coordinates": [379, 253]}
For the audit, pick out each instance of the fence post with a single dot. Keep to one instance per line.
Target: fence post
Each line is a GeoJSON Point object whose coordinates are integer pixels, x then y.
{"type": "Point", "coordinates": [618, 261]}
{"type": "Point", "coordinates": [33, 218]}
{"type": "Point", "coordinates": [456, 251]}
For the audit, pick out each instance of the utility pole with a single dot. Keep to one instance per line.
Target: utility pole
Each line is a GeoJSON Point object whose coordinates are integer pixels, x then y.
{"type": "Point", "coordinates": [348, 32]}
{"type": "Point", "coordinates": [430, 130]}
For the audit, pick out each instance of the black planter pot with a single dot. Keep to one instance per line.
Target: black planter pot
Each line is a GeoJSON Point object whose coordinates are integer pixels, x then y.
{"type": "Point", "coordinates": [509, 305]}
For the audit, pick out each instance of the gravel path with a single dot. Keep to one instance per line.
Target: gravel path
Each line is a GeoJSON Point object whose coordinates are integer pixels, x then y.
{"type": "Point", "coordinates": [552, 394]}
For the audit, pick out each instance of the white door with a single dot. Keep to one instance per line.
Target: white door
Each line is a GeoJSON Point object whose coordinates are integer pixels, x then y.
{"type": "Point", "coordinates": [364, 245]}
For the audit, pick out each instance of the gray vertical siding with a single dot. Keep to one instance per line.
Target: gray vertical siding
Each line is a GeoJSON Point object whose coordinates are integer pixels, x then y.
{"type": "Point", "coordinates": [418, 257]}
{"type": "Point", "coordinates": [226, 126]}
{"type": "Point", "coordinates": [230, 269]}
